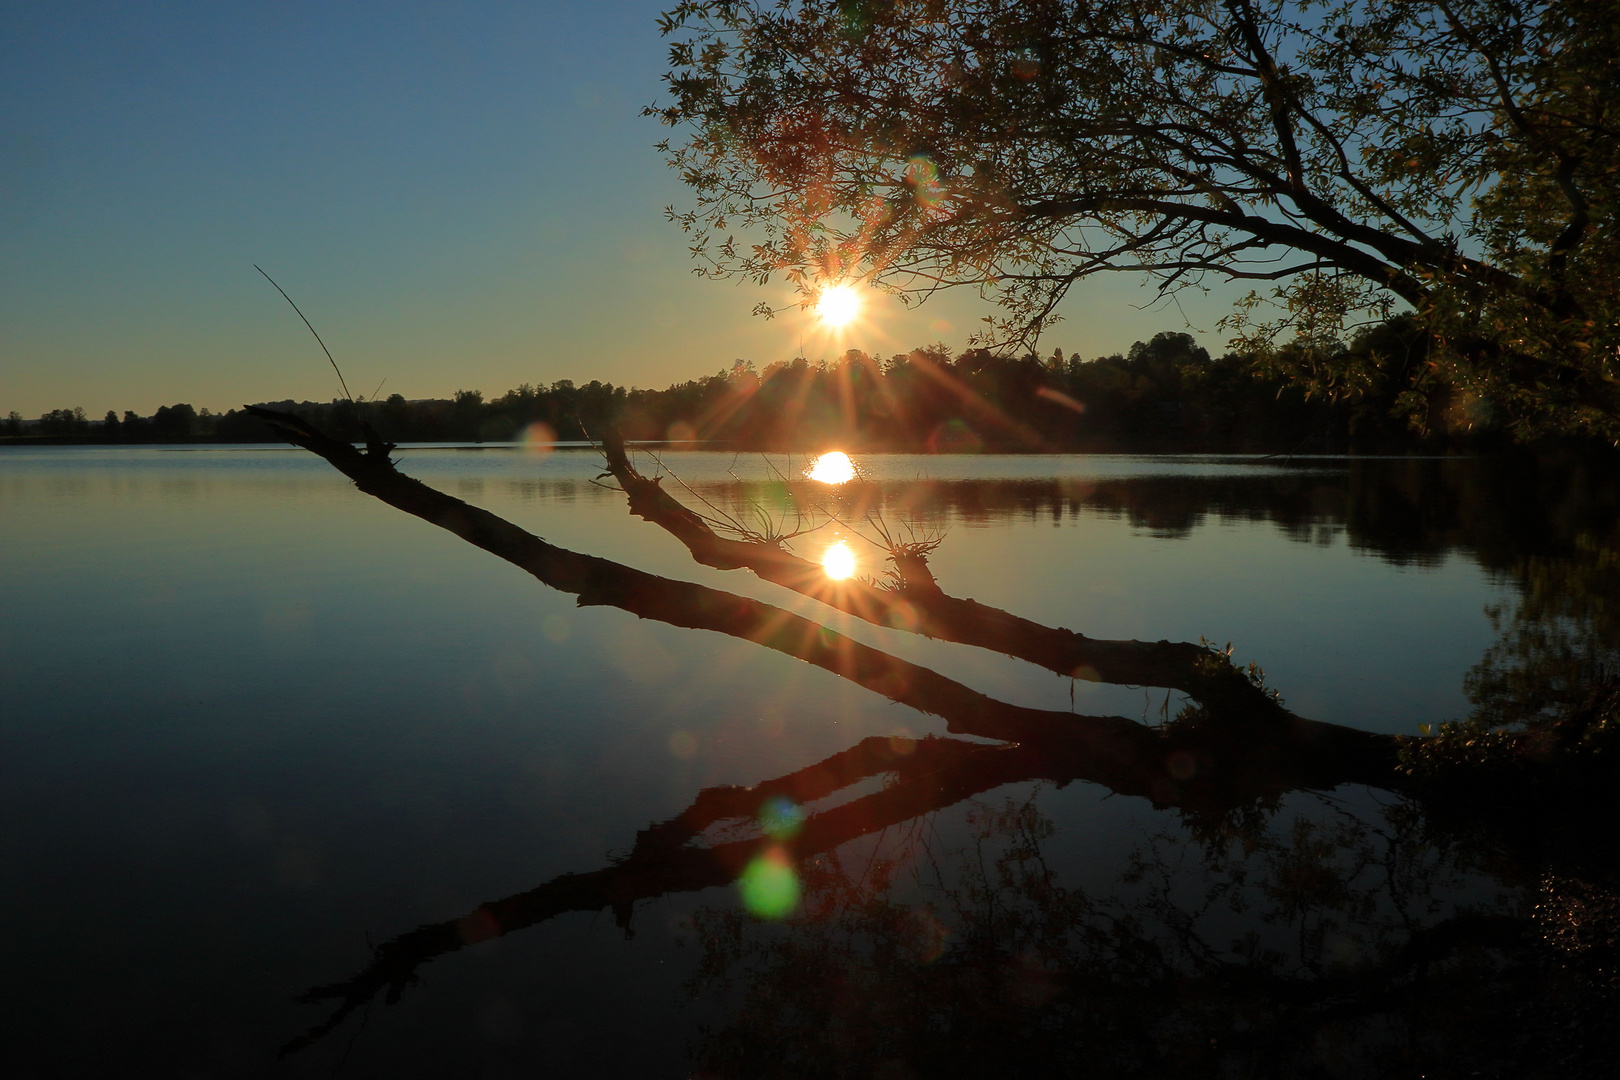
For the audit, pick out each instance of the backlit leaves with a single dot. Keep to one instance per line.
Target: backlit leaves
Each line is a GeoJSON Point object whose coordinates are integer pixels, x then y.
{"type": "Point", "coordinates": [1455, 158]}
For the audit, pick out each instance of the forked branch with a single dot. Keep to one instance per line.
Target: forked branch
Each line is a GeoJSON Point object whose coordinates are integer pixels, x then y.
{"type": "Point", "coordinates": [919, 605]}
{"type": "Point", "coordinates": [1127, 756]}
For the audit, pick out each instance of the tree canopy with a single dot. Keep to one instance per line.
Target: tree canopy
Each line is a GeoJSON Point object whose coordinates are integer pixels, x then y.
{"type": "Point", "coordinates": [1351, 159]}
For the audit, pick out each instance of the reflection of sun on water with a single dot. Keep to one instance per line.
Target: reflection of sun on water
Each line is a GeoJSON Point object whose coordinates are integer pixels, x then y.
{"type": "Point", "coordinates": [838, 561]}
{"type": "Point", "coordinates": [832, 468]}
{"type": "Point", "coordinates": [838, 305]}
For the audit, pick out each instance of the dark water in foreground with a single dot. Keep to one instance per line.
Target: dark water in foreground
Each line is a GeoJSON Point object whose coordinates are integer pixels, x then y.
{"type": "Point", "coordinates": [253, 722]}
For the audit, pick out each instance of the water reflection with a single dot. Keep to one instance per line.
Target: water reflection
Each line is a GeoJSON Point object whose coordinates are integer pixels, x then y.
{"type": "Point", "coordinates": [833, 467]}
{"type": "Point", "coordinates": [1408, 511]}
{"type": "Point", "coordinates": [1307, 938]}
{"type": "Point", "coordinates": [1299, 943]}
{"type": "Point", "coordinates": [838, 560]}
{"type": "Point", "coordinates": [1317, 945]}
{"type": "Point", "coordinates": [1558, 638]}
{"type": "Point", "coordinates": [943, 923]}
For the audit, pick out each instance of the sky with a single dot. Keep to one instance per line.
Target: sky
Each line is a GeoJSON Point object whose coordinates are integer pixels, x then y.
{"type": "Point", "coordinates": [458, 196]}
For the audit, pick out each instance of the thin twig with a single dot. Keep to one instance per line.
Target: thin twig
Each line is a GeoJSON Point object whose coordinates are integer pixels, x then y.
{"type": "Point", "coordinates": [312, 330]}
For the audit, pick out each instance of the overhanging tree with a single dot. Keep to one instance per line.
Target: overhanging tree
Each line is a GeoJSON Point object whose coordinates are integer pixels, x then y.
{"type": "Point", "coordinates": [1452, 157]}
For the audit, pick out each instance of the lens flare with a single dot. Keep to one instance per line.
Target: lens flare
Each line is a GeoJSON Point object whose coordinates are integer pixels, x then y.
{"type": "Point", "coordinates": [770, 885]}
{"type": "Point", "coordinates": [781, 818]}
{"type": "Point", "coordinates": [838, 306]}
{"type": "Point", "coordinates": [922, 176]}
{"type": "Point", "coordinates": [838, 561]}
{"type": "Point", "coordinates": [538, 438]}
{"type": "Point", "coordinates": [833, 467]}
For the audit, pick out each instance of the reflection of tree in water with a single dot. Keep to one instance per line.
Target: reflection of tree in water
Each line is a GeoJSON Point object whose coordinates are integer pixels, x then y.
{"type": "Point", "coordinates": [1556, 640]}
{"type": "Point", "coordinates": [1306, 945]}
{"type": "Point", "coordinates": [1290, 955]}
{"type": "Point", "coordinates": [1499, 510]}
{"type": "Point", "coordinates": [1546, 716]}
{"type": "Point", "coordinates": [1546, 727]}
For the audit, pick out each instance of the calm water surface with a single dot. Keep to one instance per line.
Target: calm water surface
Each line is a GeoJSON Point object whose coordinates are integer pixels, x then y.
{"type": "Point", "coordinates": [253, 722]}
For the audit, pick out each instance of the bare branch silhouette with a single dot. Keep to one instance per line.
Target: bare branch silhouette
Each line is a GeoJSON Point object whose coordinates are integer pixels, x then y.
{"type": "Point", "coordinates": [915, 602]}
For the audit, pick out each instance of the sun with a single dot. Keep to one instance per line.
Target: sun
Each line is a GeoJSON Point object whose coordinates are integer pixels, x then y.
{"type": "Point", "coordinates": [838, 306]}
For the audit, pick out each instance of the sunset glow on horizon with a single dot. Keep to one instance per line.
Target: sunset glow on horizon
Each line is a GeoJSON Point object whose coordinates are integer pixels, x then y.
{"type": "Point", "coordinates": [478, 244]}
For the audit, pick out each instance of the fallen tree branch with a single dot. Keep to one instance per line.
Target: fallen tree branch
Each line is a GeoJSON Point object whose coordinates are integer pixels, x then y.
{"type": "Point", "coordinates": [1295, 751]}
{"type": "Point", "coordinates": [1222, 753]}
{"type": "Point", "coordinates": [1208, 762]}
{"type": "Point", "coordinates": [602, 582]}
{"type": "Point", "coordinates": [919, 605]}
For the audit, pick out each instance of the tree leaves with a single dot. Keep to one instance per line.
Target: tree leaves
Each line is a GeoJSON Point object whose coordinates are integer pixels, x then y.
{"type": "Point", "coordinates": [1456, 158]}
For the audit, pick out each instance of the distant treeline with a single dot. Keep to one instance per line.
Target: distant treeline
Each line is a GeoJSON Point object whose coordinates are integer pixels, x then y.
{"type": "Point", "coordinates": [1164, 394]}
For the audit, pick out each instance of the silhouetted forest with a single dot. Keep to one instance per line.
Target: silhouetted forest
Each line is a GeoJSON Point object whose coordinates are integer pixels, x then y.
{"type": "Point", "coordinates": [1165, 394]}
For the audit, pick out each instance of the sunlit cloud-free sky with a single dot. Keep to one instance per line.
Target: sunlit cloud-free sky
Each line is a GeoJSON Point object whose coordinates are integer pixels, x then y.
{"type": "Point", "coordinates": [458, 196]}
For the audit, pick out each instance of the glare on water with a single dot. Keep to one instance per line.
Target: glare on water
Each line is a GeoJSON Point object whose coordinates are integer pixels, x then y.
{"type": "Point", "coordinates": [833, 467]}
{"type": "Point", "coordinates": [838, 561]}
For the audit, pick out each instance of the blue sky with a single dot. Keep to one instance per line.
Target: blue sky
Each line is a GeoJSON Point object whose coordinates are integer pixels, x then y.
{"type": "Point", "coordinates": [457, 195]}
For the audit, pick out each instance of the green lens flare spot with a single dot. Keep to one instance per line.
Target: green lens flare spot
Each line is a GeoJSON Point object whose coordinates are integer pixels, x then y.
{"type": "Point", "coordinates": [770, 885]}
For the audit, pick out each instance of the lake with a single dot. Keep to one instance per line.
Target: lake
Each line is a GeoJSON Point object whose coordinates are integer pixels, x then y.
{"type": "Point", "coordinates": [254, 723]}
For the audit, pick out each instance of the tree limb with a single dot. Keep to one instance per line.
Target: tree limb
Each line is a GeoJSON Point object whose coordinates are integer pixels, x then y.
{"type": "Point", "coordinates": [1237, 743]}
{"type": "Point", "coordinates": [919, 605]}
{"type": "Point", "coordinates": [602, 582]}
